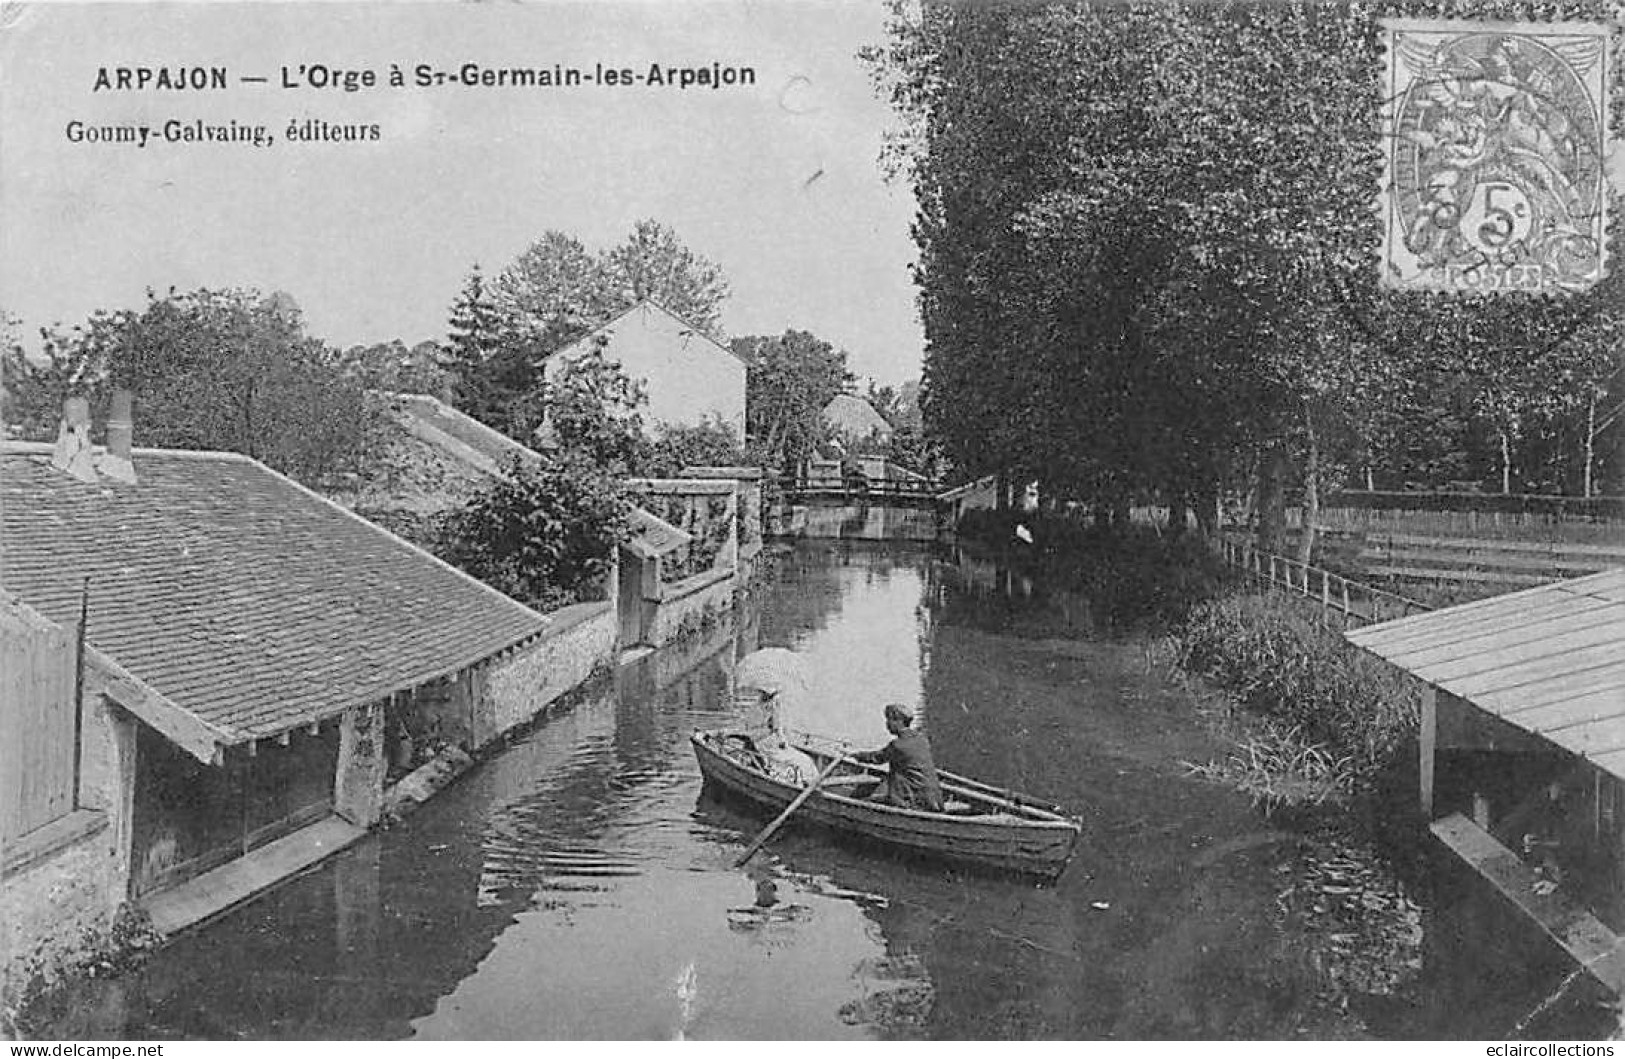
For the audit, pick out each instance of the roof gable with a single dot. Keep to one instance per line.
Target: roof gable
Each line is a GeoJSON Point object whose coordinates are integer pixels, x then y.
{"type": "Point", "coordinates": [239, 596]}
{"type": "Point", "coordinates": [855, 416]}
{"type": "Point", "coordinates": [653, 313]}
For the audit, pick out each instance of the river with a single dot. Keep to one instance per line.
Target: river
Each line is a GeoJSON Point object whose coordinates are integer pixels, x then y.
{"type": "Point", "coordinates": [579, 885]}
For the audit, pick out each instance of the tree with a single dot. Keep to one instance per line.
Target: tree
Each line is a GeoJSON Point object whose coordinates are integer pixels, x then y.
{"type": "Point", "coordinates": [709, 444]}
{"type": "Point", "coordinates": [227, 370]}
{"type": "Point", "coordinates": [557, 290]}
{"type": "Point", "coordinates": [554, 292]}
{"type": "Point", "coordinates": [494, 360]}
{"type": "Point", "coordinates": [788, 381]}
{"type": "Point", "coordinates": [910, 447]}
{"type": "Point", "coordinates": [35, 387]}
{"type": "Point", "coordinates": [654, 263]}
{"type": "Point", "coordinates": [544, 533]}
{"type": "Point", "coordinates": [593, 413]}
{"type": "Point", "coordinates": [395, 367]}
{"type": "Point", "coordinates": [1146, 252]}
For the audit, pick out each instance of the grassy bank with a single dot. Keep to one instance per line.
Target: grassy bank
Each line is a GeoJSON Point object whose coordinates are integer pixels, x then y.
{"type": "Point", "coordinates": [1315, 719]}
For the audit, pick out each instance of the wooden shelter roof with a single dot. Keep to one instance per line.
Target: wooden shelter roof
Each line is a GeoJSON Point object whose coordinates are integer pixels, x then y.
{"type": "Point", "coordinates": [1549, 660]}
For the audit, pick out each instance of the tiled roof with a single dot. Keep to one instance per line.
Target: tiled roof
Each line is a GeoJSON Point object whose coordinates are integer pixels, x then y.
{"type": "Point", "coordinates": [237, 595]}
{"type": "Point", "coordinates": [1549, 660]}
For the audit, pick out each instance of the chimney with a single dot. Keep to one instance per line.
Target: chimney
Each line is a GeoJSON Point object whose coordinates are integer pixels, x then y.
{"type": "Point", "coordinates": [72, 454]}
{"type": "Point", "coordinates": [116, 462]}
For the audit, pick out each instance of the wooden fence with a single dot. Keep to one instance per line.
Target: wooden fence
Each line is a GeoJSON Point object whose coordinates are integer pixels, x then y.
{"type": "Point", "coordinates": [1344, 602]}
{"type": "Point", "coordinates": [1461, 560]}
{"type": "Point", "coordinates": [38, 724]}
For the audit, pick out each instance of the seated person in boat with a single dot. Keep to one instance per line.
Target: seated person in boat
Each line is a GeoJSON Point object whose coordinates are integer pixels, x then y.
{"type": "Point", "coordinates": [912, 778]}
{"type": "Point", "coordinates": [765, 727]}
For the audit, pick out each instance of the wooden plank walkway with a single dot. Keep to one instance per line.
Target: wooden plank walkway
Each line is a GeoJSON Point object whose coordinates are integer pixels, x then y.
{"type": "Point", "coordinates": [212, 893]}
{"type": "Point", "coordinates": [1579, 933]}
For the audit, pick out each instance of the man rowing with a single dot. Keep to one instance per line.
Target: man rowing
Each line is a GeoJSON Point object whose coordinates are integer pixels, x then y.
{"type": "Point", "coordinates": [911, 780]}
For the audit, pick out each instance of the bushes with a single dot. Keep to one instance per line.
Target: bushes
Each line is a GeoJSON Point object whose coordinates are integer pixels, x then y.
{"type": "Point", "coordinates": [545, 533]}
{"type": "Point", "coordinates": [1315, 689]}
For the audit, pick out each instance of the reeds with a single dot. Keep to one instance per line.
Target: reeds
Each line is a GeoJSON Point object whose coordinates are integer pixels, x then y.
{"type": "Point", "coordinates": [1330, 717]}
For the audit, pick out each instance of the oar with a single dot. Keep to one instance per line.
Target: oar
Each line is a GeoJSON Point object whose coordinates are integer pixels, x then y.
{"type": "Point", "coordinates": [767, 832]}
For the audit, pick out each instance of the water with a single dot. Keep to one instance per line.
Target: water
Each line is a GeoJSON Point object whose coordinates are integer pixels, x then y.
{"type": "Point", "coordinates": [580, 885]}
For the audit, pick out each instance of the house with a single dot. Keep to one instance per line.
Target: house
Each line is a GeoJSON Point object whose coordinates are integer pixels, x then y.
{"type": "Point", "coordinates": [690, 379]}
{"type": "Point", "coordinates": [266, 662]}
{"type": "Point", "coordinates": [855, 420]}
{"type": "Point", "coordinates": [1522, 751]}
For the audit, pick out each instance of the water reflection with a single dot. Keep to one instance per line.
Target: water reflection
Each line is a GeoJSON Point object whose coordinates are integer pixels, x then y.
{"type": "Point", "coordinates": [580, 885]}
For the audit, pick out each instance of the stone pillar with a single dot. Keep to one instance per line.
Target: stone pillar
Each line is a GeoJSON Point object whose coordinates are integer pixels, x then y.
{"type": "Point", "coordinates": [731, 550]}
{"type": "Point", "coordinates": [358, 786]}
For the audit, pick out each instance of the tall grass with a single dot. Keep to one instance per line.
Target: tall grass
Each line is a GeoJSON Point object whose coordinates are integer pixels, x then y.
{"type": "Point", "coordinates": [1335, 711]}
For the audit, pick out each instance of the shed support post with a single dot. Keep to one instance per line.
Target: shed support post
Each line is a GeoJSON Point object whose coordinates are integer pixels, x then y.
{"type": "Point", "coordinates": [1428, 744]}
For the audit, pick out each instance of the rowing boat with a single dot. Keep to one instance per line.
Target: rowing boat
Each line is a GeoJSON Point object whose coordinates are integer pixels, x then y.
{"type": "Point", "coordinates": [981, 826]}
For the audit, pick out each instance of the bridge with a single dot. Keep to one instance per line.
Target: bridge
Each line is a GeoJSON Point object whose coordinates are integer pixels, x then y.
{"type": "Point", "coordinates": [862, 491]}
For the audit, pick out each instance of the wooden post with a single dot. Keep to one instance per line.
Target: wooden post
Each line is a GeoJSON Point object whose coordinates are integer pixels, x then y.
{"type": "Point", "coordinates": [79, 691]}
{"type": "Point", "coordinates": [1325, 596]}
{"type": "Point", "coordinates": [1347, 614]}
{"type": "Point", "coordinates": [1428, 743]}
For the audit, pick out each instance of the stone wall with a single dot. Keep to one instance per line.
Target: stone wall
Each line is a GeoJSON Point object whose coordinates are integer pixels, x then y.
{"type": "Point", "coordinates": [690, 606]}
{"type": "Point", "coordinates": [59, 900]}
{"type": "Point", "coordinates": [515, 690]}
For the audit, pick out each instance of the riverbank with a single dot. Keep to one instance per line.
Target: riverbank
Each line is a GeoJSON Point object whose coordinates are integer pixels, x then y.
{"type": "Point", "coordinates": [581, 883]}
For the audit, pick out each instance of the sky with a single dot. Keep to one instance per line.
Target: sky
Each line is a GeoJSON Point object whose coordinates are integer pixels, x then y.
{"type": "Point", "coordinates": [778, 182]}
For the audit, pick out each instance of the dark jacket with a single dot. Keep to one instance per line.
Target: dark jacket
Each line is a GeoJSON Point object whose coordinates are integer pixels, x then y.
{"type": "Point", "coordinates": [913, 781]}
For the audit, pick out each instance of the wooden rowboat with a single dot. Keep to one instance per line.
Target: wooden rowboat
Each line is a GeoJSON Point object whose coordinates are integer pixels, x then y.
{"type": "Point", "coordinates": [983, 826]}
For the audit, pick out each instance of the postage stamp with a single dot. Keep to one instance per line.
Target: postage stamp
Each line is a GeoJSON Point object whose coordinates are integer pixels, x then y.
{"type": "Point", "coordinates": [1496, 141]}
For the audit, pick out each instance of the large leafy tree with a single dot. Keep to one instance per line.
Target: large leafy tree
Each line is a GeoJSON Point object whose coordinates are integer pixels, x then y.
{"type": "Point", "coordinates": [213, 369]}
{"type": "Point", "coordinates": [789, 378]}
{"type": "Point", "coordinates": [1146, 252]}
{"type": "Point", "coordinates": [557, 289]}
{"type": "Point", "coordinates": [653, 262]}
